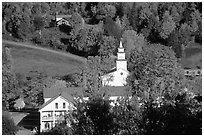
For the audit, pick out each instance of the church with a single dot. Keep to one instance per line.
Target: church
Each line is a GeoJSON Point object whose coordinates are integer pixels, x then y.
{"type": "Point", "coordinates": [118, 75]}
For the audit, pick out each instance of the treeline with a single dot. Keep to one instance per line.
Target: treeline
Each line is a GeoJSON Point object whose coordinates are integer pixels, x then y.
{"type": "Point", "coordinates": [97, 27]}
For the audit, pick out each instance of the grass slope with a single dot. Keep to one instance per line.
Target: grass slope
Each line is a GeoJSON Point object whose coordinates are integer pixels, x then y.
{"type": "Point", "coordinates": [28, 59]}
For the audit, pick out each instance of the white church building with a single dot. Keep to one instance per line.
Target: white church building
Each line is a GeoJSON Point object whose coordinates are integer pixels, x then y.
{"type": "Point", "coordinates": [118, 75]}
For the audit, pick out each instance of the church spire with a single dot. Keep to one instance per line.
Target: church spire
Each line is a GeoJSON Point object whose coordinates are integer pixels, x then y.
{"type": "Point", "coordinates": [121, 61]}
{"type": "Point", "coordinates": [121, 45]}
{"type": "Point", "coordinates": [121, 49]}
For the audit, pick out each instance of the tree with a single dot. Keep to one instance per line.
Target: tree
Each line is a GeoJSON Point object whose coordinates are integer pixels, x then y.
{"type": "Point", "coordinates": [9, 82]}
{"type": "Point", "coordinates": [94, 118]}
{"type": "Point", "coordinates": [108, 46]}
{"type": "Point", "coordinates": [36, 9]}
{"type": "Point", "coordinates": [95, 67]}
{"type": "Point", "coordinates": [132, 40]}
{"type": "Point", "coordinates": [45, 8]}
{"type": "Point", "coordinates": [127, 116]}
{"type": "Point", "coordinates": [168, 25]}
{"type": "Point", "coordinates": [157, 70]}
{"type": "Point", "coordinates": [87, 40]}
{"type": "Point", "coordinates": [77, 23]}
{"type": "Point", "coordinates": [112, 28]}
{"type": "Point", "coordinates": [23, 29]}
{"type": "Point", "coordinates": [33, 88]}
{"type": "Point", "coordinates": [39, 23]}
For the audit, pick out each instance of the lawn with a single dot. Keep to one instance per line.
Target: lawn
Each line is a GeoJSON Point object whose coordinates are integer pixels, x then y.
{"type": "Point", "coordinates": [28, 59]}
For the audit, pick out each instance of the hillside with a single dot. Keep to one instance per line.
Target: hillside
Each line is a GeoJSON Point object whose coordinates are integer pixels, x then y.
{"type": "Point", "coordinates": [29, 58]}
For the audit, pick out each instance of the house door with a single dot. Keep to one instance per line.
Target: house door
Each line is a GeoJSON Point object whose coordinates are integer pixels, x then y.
{"type": "Point", "coordinates": [47, 126]}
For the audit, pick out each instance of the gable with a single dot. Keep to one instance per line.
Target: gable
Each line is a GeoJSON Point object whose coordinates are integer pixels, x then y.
{"type": "Point", "coordinates": [63, 21]}
{"type": "Point", "coordinates": [50, 105]}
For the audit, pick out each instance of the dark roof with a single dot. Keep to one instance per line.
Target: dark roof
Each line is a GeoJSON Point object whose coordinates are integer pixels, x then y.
{"type": "Point", "coordinates": [60, 87]}
{"type": "Point", "coordinates": [192, 56]}
{"type": "Point", "coordinates": [191, 63]}
{"type": "Point", "coordinates": [74, 91]}
{"type": "Point", "coordinates": [63, 16]}
{"type": "Point", "coordinates": [189, 52]}
{"type": "Point", "coordinates": [115, 90]}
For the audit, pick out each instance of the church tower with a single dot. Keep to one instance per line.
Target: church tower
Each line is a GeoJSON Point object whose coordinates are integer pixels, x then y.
{"type": "Point", "coordinates": [119, 75]}
{"type": "Point", "coordinates": [121, 62]}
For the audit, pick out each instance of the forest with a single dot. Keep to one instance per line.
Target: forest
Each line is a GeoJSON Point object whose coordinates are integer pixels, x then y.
{"type": "Point", "coordinates": [154, 35]}
{"type": "Point", "coordinates": [99, 26]}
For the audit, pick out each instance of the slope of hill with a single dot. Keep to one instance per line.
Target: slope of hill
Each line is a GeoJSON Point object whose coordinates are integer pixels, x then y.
{"type": "Point", "coordinates": [29, 58]}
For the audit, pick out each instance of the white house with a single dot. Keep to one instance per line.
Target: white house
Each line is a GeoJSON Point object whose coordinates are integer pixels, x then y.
{"type": "Point", "coordinates": [58, 101]}
{"type": "Point", "coordinates": [118, 75]}
{"type": "Point", "coordinates": [63, 20]}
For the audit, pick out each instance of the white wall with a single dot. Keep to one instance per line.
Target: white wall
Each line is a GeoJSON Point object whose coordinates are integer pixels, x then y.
{"type": "Point", "coordinates": [60, 100]}
{"type": "Point", "coordinates": [116, 78]}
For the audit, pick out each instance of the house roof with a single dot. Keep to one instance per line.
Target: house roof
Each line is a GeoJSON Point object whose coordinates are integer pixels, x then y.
{"type": "Point", "coordinates": [63, 16]}
{"type": "Point", "coordinates": [65, 95]}
{"type": "Point", "coordinates": [192, 49]}
{"type": "Point", "coordinates": [192, 56]}
{"type": "Point", "coordinates": [54, 91]}
{"type": "Point", "coordinates": [60, 87]}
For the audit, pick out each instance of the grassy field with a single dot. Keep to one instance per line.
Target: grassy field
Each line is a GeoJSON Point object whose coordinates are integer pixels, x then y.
{"type": "Point", "coordinates": [27, 59]}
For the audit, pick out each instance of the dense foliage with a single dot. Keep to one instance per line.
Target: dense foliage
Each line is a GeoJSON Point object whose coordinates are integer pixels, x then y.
{"type": "Point", "coordinates": [9, 83]}
{"type": "Point", "coordinates": [171, 24]}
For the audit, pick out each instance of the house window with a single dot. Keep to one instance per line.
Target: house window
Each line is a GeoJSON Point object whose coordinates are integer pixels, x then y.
{"type": "Point", "coordinates": [64, 105]}
{"type": "Point", "coordinates": [56, 105]}
{"type": "Point", "coordinates": [187, 72]}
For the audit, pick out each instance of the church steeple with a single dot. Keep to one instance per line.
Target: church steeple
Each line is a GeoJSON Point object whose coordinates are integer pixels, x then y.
{"type": "Point", "coordinates": [121, 62]}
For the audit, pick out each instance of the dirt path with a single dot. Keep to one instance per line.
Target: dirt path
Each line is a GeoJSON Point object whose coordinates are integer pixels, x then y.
{"type": "Point", "coordinates": [29, 45]}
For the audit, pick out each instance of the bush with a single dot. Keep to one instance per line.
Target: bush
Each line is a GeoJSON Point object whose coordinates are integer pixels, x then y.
{"type": "Point", "coordinates": [8, 125]}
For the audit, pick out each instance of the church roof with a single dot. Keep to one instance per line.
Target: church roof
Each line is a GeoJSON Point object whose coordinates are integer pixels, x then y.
{"type": "Point", "coordinates": [115, 90]}
{"type": "Point", "coordinates": [110, 71]}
